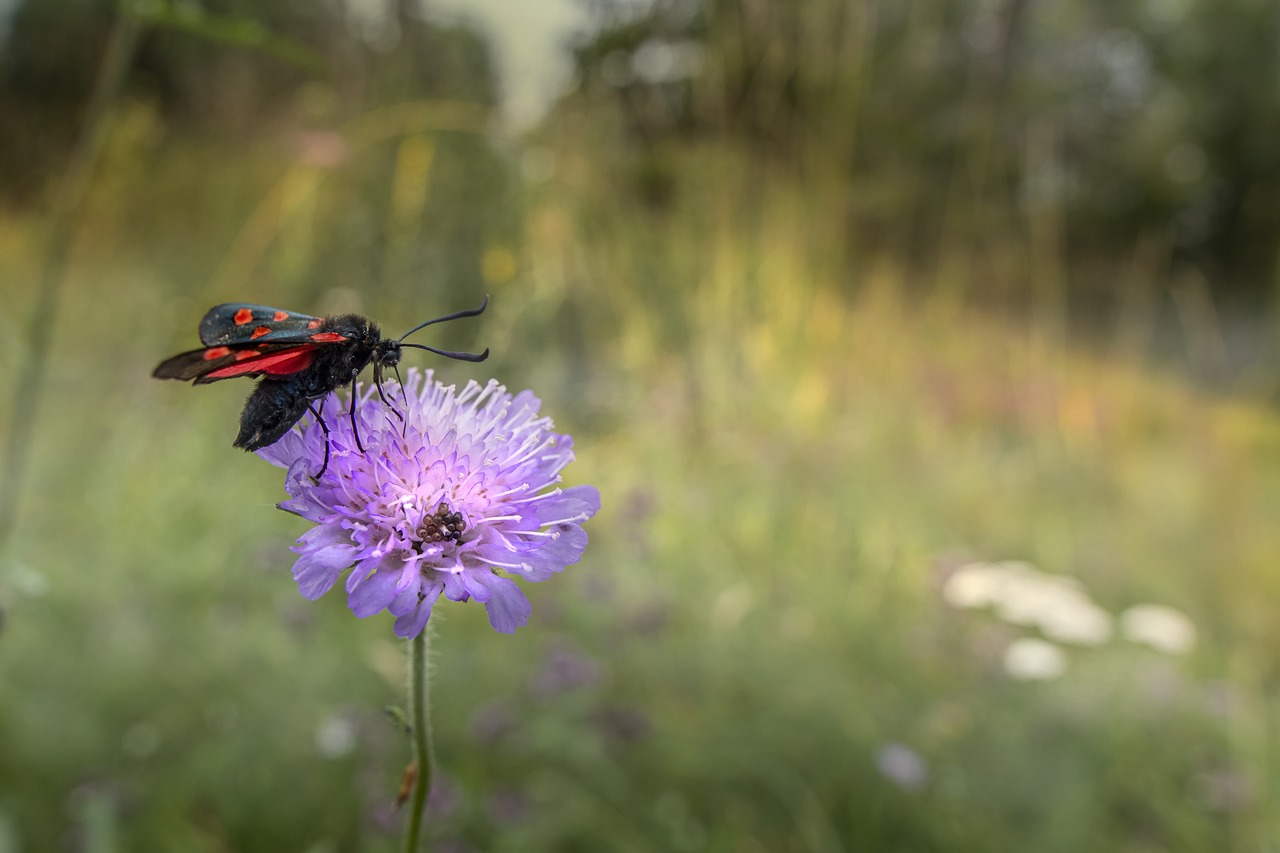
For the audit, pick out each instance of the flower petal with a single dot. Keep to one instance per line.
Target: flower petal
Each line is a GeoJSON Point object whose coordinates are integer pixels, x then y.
{"type": "Point", "coordinates": [455, 586]}
{"type": "Point", "coordinates": [317, 571]}
{"type": "Point", "coordinates": [298, 481]}
{"type": "Point", "coordinates": [375, 593]}
{"type": "Point", "coordinates": [507, 606]}
{"type": "Point", "coordinates": [580, 502]}
{"type": "Point", "coordinates": [411, 623]}
{"type": "Point", "coordinates": [306, 507]}
{"type": "Point", "coordinates": [284, 452]}
{"type": "Point", "coordinates": [321, 537]}
{"type": "Point", "coordinates": [564, 547]}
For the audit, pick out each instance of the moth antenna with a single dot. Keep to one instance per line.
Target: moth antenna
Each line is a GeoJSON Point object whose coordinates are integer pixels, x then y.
{"type": "Point", "coordinates": [460, 356]}
{"type": "Point", "coordinates": [454, 316]}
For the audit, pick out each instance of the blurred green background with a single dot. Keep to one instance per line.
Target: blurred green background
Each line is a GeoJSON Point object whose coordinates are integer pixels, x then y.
{"type": "Point", "coordinates": [922, 351]}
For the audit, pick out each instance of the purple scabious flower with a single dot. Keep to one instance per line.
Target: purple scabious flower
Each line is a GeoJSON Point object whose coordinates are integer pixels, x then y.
{"type": "Point", "coordinates": [456, 500]}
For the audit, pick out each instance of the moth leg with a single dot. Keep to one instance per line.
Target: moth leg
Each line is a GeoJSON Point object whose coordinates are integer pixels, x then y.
{"type": "Point", "coordinates": [355, 430]}
{"type": "Point", "coordinates": [324, 427]}
{"type": "Point", "coordinates": [404, 425]}
{"type": "Point", "coordinates": [377, 383]}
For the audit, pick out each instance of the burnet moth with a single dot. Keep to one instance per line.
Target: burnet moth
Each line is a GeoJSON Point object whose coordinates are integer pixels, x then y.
{"type": "Point", "coordinates": [299, 358]}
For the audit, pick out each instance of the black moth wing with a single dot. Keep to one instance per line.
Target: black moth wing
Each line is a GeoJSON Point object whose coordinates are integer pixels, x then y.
{"type": "Point", "coordinates": [197, 364]}
{"type": "Point", "coordinates": [241, 323]}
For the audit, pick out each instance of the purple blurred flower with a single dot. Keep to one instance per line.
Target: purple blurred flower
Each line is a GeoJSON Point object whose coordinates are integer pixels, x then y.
{"type": "Point", "coordinates": [508, 808]}
{"type": "Point", "coordinates": [901, 764]}
{"type": "Point", "coordinates": [563, 669]}
{"type": "Point", "coordinates": [461, 495]}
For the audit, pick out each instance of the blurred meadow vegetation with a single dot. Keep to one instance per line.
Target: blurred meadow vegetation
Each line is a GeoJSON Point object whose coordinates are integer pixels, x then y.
{"type": "Point", "coordinates": [838, 299]}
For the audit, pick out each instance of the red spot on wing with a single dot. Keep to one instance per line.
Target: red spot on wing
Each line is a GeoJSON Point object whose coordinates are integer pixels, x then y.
{"type": "Point", "coordinates": [244, 315]}
{"type": "Point", "coordinates": [315, 324]}
{"type": "Point", "coordinates": [280, 363]}
{"type": "Point", "coordinates": [328, 337]}
{"type": "Point", "coordinates": [214, 353]}
{"type": "Point", "coordinates": [280, 316]}
{"type": "Point", "coordinates": [260, 331]}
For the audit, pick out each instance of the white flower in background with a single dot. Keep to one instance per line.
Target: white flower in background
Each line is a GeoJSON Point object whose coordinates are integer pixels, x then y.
{"type": "Point", "coordinates": [1023, 595]}
{"type": "Point", "coordinates": [335, 737]}
{"type": "Point", "coordinates": [1163, 628]}
{"type": "Point", "coordinates": [1077, 620]}
{"type": "Point", "coordinates": [974, 585]}
{"type": "Point", "coordinates": [1032, 659]}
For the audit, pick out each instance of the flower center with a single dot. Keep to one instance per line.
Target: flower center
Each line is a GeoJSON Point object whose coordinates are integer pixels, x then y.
{"type": "Point", "coordinates": [444, 525]}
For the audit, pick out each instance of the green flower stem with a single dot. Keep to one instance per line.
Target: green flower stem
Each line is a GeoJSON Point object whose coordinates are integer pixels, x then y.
{"type": "Point", "coordinates": [420, 716]}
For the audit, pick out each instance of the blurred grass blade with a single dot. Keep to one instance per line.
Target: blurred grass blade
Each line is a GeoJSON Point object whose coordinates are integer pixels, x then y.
{"type": "Point", "coordinates": [241, 32]}
{"type": "Point", "coordinates": [67, 200]}
{"type": "Point", "coordinates": [9, 838]}
{"type": "Point", "coordinates": [100, 824]}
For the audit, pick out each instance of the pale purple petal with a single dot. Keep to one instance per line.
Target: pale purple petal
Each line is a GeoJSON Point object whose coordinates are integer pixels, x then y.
{"type": "Point", "coordinates": [577, 502]}
{"type": "Point", "coordinates": [507, 606]}
{"type": "Point", "coordinates": [285, 451]}
{"type": "Point", "coordinates": [323, 536]}
{"type": "Point", "coordinates": [411, 623]}
{"type": "Point", "coordinates": [307, 507]}
{"type": "Point", "coordinates": [317, 571]}
{"type": "Point", "coordinates": [562, 549]}
{"type": "Point", "coordinates": [374, 594]}
{"type": "Point", "coordinates": [296, 480]}
{"type": "Point", "coordinates": [455, 587]}
{"type": "Point", "coordinates": [363, 571]}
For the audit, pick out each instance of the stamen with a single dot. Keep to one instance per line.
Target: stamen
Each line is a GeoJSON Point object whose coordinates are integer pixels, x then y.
{"type": "Point", "coordinates": [515, 567]}
{"type": "Point", "coordinates": [523, 487]}
{"type": "Point", "coordinates": [496, 518]}
{"type": "Point", "coordinates": [572, 519]}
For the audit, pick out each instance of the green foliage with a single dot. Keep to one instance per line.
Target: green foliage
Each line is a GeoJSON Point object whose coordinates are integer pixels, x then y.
{"type": "Point", "coordinates": [222, 68]}
{"type": "Point", "coordinates": [1132, 119]}
{"type": "Point", "coordinates": [239, 31]}
{"type": "Point", "coordinates": [798, 441]}
{"type": "Point", "coordinates": [787, 473]}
